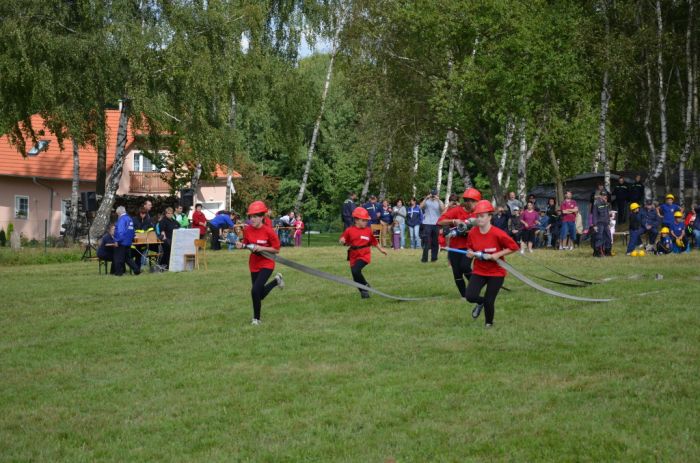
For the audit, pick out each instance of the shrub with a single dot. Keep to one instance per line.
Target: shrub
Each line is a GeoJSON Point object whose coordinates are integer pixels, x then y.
{"type": "Point", "coordinates": [3, 237]}
{"type": "Point", "coordinates": [10, 229]}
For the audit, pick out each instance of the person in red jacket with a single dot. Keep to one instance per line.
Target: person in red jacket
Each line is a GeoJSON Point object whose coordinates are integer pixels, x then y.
{"type": "Point", "coordinates": [486, 243]}
{"type": "Point", "coordinates": [459, 219]}
{"type": "Point", "coordinates": [199, 221]}
{"type": "Point", "coordinates": [259, 237]}
{"type": "Point", "coordinates": [359, 239]}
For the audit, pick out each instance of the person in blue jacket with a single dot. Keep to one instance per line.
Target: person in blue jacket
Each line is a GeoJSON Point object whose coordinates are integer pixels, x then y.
{"type": "Point", "coordinates": [667, 209]}
{"type": "Point", "coordinates": [222, 221]}
{"type": "Point", "coordinates": [414, 219]}
{"type": "Point", "coordinates": [374, 209]}
{"type": "Point", "coordinates": [651, 222]}
{"type": "Point", "coordinates": [349, 206]}
{"type": "Point", "coordinates": [123, 236]}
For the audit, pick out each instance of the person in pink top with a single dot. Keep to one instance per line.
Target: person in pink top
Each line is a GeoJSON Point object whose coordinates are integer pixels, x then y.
{"type": "Point", "coordinates": [569, 209]}
{"type": "Point", "coordinates": [530, 219]}
{"type": "Point", "coordinates": [298, 231]}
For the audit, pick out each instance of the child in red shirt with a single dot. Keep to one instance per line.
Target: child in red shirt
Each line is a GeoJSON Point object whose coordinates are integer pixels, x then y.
{"type": "Point", "coordinates": [455, 217]}
{"type": "Point", "coordinates": [359, 238]}
{"type": "Point", "coordinates": [260, 237]}
{"type": "Point", "coordinates": [486, 243]}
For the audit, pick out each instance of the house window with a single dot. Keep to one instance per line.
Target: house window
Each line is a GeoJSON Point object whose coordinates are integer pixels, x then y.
{"type": "Point", "coordinates": [143, 164]}
{"type": "Point", "coordinates": [21, 207]}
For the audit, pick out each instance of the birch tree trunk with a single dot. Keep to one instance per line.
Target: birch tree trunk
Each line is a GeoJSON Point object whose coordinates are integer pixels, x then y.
{"type": "Point", "coordinates": [99, 225]}
{"type": "Point", "coordinates": [658, 169]}
{"type": "Point", "coordinates": [649, 184]}
{"type": "Point", "coordinates": [317, 125]}
{"type": "Point", "coordinates": [194, 182]}
{"type": "Point", "coordinates": [450, 173]}
{"type": "Point", "coordinates": [441, 163]}
{"type": "Point", "coordinates": [558, 182]}
{"type": "Point", "coordinates": [507, 142]}
{"type": "Point", "coordinates": [462, 171]}
{"type": "Point", "coordinates": [695, 187]}
{"type": "Point", "coordinates": [229, 168]}
{"type": "Point", "coordinates": [385, 172]}
{"type": "Point", "coordinates": [524, 155]}
{"type": "Point", "coordinates": [101, 177]}
{"type": "Point", "coordinates": [368, 173]}
{"type": "Point", "coordinates": [688, 129]}
{"type": "Point", "coordinates": [415, 164]}
{"type": "Point", "coordinates": [602, 129]}
{"type": "Point", "coordinates": [72, 228]}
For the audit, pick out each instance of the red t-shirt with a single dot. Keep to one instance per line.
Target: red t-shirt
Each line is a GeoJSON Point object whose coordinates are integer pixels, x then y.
{"type": "Point", "coordinates": [360, 237]}
{"type": "Point", "coordinates": [492, 241]}
{"type": "Point", "coordinates": [458, 213]}
{"type": "Point", "coordinates": [263, 236]}
{"type": "Point", "coordinates": [568, 204]}
{"type": "Point", "coordinates": [198, 218]}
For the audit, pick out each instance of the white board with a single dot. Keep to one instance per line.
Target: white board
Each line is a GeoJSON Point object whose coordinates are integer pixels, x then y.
{"type": "Point", "coordinates": [183, 243]}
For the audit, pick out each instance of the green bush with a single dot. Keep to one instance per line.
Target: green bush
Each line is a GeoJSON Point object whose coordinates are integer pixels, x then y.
{"type": "Point", "coordinates": [3, 237]}
{"type": "Point", "coordinates": [29, 256]}
{"type": "Point", "coordinates": [10, 229]}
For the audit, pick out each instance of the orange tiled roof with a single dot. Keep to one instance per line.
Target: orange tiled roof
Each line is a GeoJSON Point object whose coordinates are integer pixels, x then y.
{"type": "Point", "coordinates": [54, 163]}
{"type": "Point", "coordinates": [221, 172]}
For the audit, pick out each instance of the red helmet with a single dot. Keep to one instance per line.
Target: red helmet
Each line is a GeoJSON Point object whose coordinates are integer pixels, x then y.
{"type": "Point", "coordinates": [472, 193]}
{"type": "Point", "coordinates": [257, 207]}
{"type": "Point", "coordinates": [483, 206]}
{"type": "Point", "coordinates": [360, 213]}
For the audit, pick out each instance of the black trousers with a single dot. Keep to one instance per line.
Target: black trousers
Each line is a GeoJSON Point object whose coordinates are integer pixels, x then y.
{"type": "Point", "coordinates": [357, 275]}
{"type": "Point", "coordinates": [122, 257]}
{"type": "Point", "coordinates": [430, 242]}
{"type": "Point", "coordinates": [164, 259]}
{"type": "Point", "coordinates": [621, 211]}
{"type": "Point", "coordinates": [493, 285]}
{"type": "Point", "coordinates": [215, 236]}
{"type": "Point", "coordinates": [603, 240]}
{"type": "Point", "coordinates": [260, 289]}
{"type": "Point", "coordinates": [461, 267]}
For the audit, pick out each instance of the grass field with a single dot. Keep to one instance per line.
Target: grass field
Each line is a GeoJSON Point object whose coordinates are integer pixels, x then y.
{"type": "Point", "coordinates": [166, 367]}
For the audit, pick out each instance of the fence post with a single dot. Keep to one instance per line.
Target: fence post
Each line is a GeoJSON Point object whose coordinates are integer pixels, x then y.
{"type": "Point", "coordinates": [46, 231]}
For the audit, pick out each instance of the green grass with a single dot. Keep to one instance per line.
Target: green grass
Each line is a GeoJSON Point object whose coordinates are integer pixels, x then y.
{"type": "Point", "coordinates": [165, 367]}
{"type": "Point", "coordinates": [32, 256]}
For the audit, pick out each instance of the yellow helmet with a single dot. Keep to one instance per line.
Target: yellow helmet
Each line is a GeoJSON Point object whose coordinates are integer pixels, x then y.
{"type": "Point", "coordinates": [678, 214]}
{"type": "Point", "coordinates": [665, 230]}
{"type": "Point", "coordinates": [670, 196]}
{"type": "Point", "coordinates": [634, 206]}
{"type": "Point", "coordinates": [634, 253]}
{"type": "Point", "coordinates": [641, 253]}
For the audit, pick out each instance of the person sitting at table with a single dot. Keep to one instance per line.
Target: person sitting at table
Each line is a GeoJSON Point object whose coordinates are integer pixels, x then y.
{"type": "Point", "coordinates": [142, 225]}
{"type": "Point", "coordinates": [105, 248]}
{"type": "Point", "coordinates": [167, 225]}
{"type": "Point", "coordinates": [217, 225]}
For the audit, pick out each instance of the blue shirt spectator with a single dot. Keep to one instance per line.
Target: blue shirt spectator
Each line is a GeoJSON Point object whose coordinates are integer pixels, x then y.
{"type": "Point", "coordinates": [374, 210]}
{"type": "Point", "coordinates": [667, 210]}
{"type": "Point", "coordinates": [222, 221]}
{"type": "Point", "coordinates": [124, 230]}
{"type": "Point", "coordinates": [414, 216]}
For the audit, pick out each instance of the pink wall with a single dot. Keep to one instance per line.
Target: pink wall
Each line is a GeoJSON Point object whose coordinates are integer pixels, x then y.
{"type": "Point", "coordinates": [39, 201]}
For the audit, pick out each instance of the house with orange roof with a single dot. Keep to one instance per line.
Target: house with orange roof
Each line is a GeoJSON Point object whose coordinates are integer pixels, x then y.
{"type": "Point", "coordinates": [36, 189]}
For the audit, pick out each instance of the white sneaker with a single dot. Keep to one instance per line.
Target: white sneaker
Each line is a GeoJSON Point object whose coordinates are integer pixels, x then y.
{"type": "Point", "coordinates": [561, 248]}
{"type": "Point", "coordinates": [530, 251]}
{"type": "Point", "coordinates": [280, 281]}
{"type": "Point", "coordinates": [255, 322]}
{"type": "Point", "coordinates": [522, 251]}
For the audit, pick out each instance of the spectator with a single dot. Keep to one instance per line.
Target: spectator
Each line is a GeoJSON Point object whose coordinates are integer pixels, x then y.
{"type": "Point", "coordinates": [142, 225]}
{"type": "Point", "coordinates": [551, 208]}
{"type": "Point", "coordinates": [695, 224]}
{"type": "Point", "coordinates": [374, 210]}
{"type": "Point", "coordinates": [667, 210]}
{"type": "Point", "coordinates": [636, 190]}
{"type": "Point", "coordinates": [123, 236]}
{"type": "Point", "coordinates": [199, 221]}
{"type": "Point", "coordinates": [601, 226]}
{"type": "Point", "coordinates": [513, 202]}
{"type": "Point", "coordinates": [399, 212]}
{"type": "Point", "coordinates": [432, 209]}
{"type": "Point", "coordinates": [167, 225]}
{"type": "Point", "coordinates": [651, 221]}
{"type": "Point", "coordinates": [298, 231]}
{"type": "Point", "coordinates": [621, 194]}
{"type": "Point", "coordinates": [680, 238]}
{"type": "Point", "coordinates": [555, 229]}
{"type": "Point", "coordinates": [500, 219]}
{"type": "Point", "coordinates": [569, 209]}
{"type": "Point", "coordinates": [414, 220]}
{"type": "Point", "coordinates": [286, 223]}
{"type": "Point", "coordinates": [348, 206]}
{"type": "Point", "coordinates": [600, 190]}
{"type": "Point", "coordinates": [105, 249]}
{"type": "Point", "coordinates": [529, 218]}
{"type": "Point", "coordinates": [542, 230]}
{"type": "Point", "coordinates": [385, 220]}
{"type": "Point", "coordinates": [181, 218]}
{"type": "Point", "coordinates": [452, 201]}
{"type": "Point", "coordinates": [516, 226]}
{"type": "Point", "coordinates": [217, 225]}
{"type": "Point", "coordinates": [533, 199]}
{"type": "Point", "coordinates": [396, 235]}
{"type": "Point", "coordinates": [636, 229]}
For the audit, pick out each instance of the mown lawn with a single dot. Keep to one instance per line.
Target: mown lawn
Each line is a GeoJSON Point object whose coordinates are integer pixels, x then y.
{"type": "Point", "coordinates": [166, 367]}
